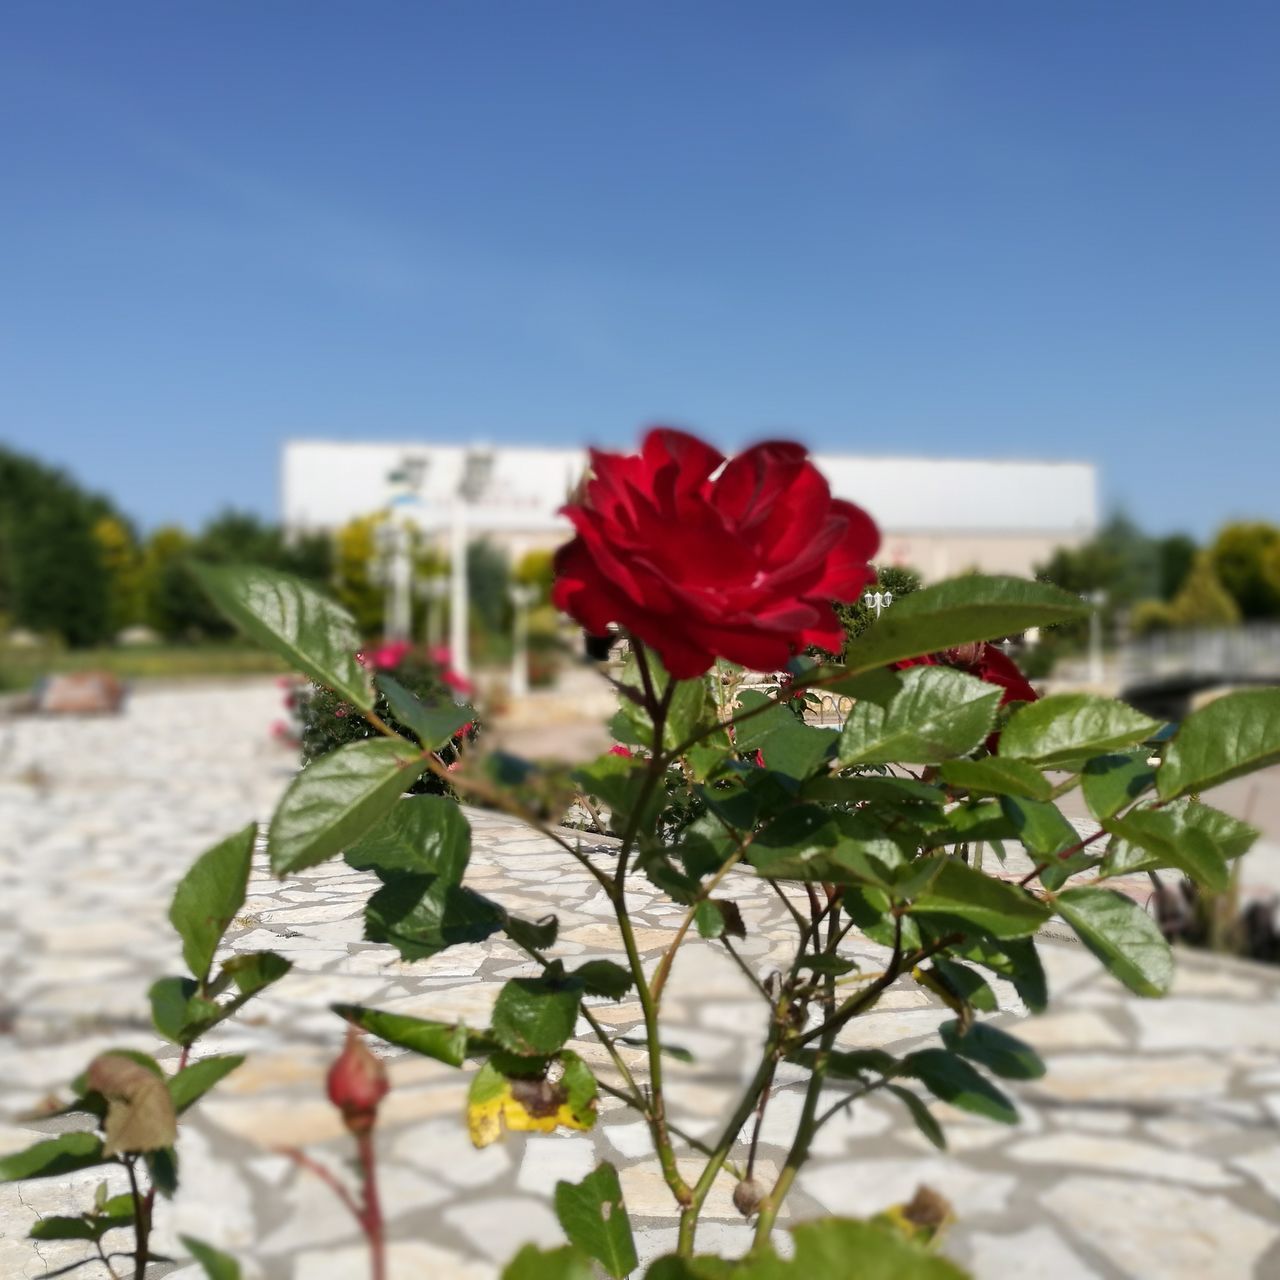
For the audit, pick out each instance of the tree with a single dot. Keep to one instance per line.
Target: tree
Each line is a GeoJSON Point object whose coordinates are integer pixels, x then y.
{"type": "Point", "coordinates": [1175, 555]}
{"type": "Point", "coordinates": [536, 569]}
{"type": "Point", "coordinates": [1246, 557]}
{"type": "Point", "coordinates": [354, 549]}
{"type": "Point", "coordinates": [856, 617]}
{"type": "Point", "coordinates": [52, 575]}
{"type": "Point", "coordinates": [122, 561]}
{"type": "Point", "coordinates": [173, 604]}
{"type": "Point", "coordinates": [1120, 561]}
{"type": "Point", "coordinates": [488, 576]}
{"type": "Point", "coordinates": [1203, 600]}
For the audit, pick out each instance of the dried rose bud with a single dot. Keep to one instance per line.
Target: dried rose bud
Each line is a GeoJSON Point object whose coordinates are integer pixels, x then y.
{"type": "Point", "coordinates": [747, 1196]}
{"type": "Point", "coordinates": [357, 1083]}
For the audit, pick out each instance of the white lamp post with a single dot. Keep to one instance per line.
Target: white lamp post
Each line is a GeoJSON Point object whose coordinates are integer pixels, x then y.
{"type": "Point", "coordinates": [394, 569]}
{"type": "Point", "coordinates": [432, 591]}
{"type": "Point", "coordinates": [476, 470]}
{"type": "Point", "coordinates": [1098, 599]}
{"type": "Point", "coordinates": [878, 600]}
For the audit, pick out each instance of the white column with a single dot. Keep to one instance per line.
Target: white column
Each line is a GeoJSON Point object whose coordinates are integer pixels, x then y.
{"type": "Point", "coordinates": [521, 598]}
{"type": "Point", "coordinates": [459, 657]}
{"type": "Point", "coordinates": [399, 618]}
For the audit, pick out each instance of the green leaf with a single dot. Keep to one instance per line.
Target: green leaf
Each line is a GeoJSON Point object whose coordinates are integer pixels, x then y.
{"type": "Point", "coordinates": [1046, 834]}
{"type": "Point", "coordinates": [312, 633]}
{"type": "Point", "coordinates": [535, 1016]}
{"type": "Point", "coordinates": [337, 798]}
{"type": "Point", "coordinates": [970, 987]}
{"type": "Point", "coordinates": [850, 1064]}
{"type": "Point", "coordinates": [447, 1042]}
{"type": "Point", "coordinates": [1003, 910]}
{"type": "Point", "coordinates": [179, 1013]}
{"type": "Point", "coordinates": [425, 835]}
{"type": "Point", "coordinates": [217, 1265]}
{"type": "Point", "coordinates": [603, 978]}
{"type": "Point", "coordinates": [196, 1079]}
{"type": "Point", "coordinates": [252, 971]}
{"type": "Point", "coordinates": [432, 723]}
{"type": "Point", "coordinates": [1175, 843]}
{"type": "Point", "coordinates": [919, 716]}
{"type": "Point", "coordinates": [1111, 783]}
{"type": "Point", "coordinates": [64, 1154]}
{"type": "Point", "coordinates": [788, 745]}
{"type": "Point", "coordinates": [960, 611]}
{"type": "Point", "coordinates": [208, 897]}
{"type": "Point", "coordinates": [718, 916]}
{"type": "Point", "coordinates": [920, 1113]}
{"type": "Point", "coordinates": [999, 1052]}
{"type": "Point", "coordinates": [594, 1218]}
{"type": "Point", "coordinates": [422, 915]}
{"type": "Point", "coordinates": [828, 965]}
{"type": "Point", "coordinates": [1233, 735]}
{"type": "Point", "coordinates": [1228, 835]}
{"type": "Point", "coordinates": [690, 708]}
{"type": "Point", "coordinates": [951, 1078]}
{"type": "Point", "coordinates": [618, 782]}
{"type": "Point", "coordinates": [994, 776]}
{"type": "Point", "coordinates": [534, 935]}
{"type": "Point", "coordinates": [84, 1227]}
{"type": "Point", "coordinates": [1122, 935]}
{"type": "Point", "coordinates": [564, 1263]}
{"type": "Point", "coordinates": [1015, 959]}
{"type": "Point", "coordinates": [1066, 726]}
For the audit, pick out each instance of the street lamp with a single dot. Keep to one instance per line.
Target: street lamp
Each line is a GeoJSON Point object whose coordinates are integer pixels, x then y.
{"type": "Point", "coordinates": [393, 567]}
{"type": "Point", "coordinates": [878, 600]}
{"type": "Point", "coordinates": [477, 469]}
{"type": "Point", "coordinates": [432, 591]}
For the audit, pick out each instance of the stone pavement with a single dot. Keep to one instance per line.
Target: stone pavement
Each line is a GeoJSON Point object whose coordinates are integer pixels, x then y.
{"type": "Point", "coordinates": [1150, 1150]}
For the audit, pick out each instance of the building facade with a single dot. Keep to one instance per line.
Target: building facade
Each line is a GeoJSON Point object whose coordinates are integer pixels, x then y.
{"type": "Point", "coordinates": [938, 516]}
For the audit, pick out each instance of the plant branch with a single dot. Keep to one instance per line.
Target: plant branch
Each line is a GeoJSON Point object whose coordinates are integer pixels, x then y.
{"type": "Point", "coordinates": [1061, 856]}
{"type": "Point", "coordinates": [326, 1176]}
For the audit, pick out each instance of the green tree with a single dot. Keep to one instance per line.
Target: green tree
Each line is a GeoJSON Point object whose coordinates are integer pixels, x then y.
{"type": "Point", "coordinates": [1203, 600]}
{"type": "Point", "coordinates": [856, 617]}
{"type": "Point", "coordinates": [1246, 557]}
{"type": "Point", "coordinates": [173, 604]}
{"type": "Point", "coordinates": [122, 560]}
{"type": "Point", "coordinates": [536, 569]}
{"type": "Point", "coordinates": [354, 549]}
{"type": "Point", "coordinates": [52, 575]}
{"type": "Point", "coordinates": [488, 576]}
{"type": "Point", "coordinates": [1175, 555]}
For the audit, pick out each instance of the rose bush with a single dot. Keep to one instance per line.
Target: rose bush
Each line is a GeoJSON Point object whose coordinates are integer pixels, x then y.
{"type": "Point", "coordinates": [868, 834]}
{"type": "Point", "coordinates": [701, 559]}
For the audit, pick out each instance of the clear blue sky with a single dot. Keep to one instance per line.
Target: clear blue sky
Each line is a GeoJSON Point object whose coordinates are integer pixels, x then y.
{"type": "Point", "coordinates": [990, 228]}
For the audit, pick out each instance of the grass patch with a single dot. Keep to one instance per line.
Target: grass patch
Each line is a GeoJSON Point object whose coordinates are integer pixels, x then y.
{"type": "Point", "coordinates": [21, 668]}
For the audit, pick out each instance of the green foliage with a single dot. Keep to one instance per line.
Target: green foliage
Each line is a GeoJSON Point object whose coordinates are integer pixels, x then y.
{"type": "Point", "coordinates": [594, 1218]}
{"type": "Point", "coordinates": [53, 575]}
{"type": "Point", "coordinates": [1069, 726]}
{"type": "Point", "coordinates": [1233, 735]}
{"type": "Point", "coordinates": [855, 616]}
{"type": "Point", "coordinates": [215, 1264]}
{"type": "Point", "coordinates": [1122, 936]}
{"type": "Point", "coordinates": [1202, 600]}
{"type": "Point", "coordinates": [956, 612]}
{"type": "Point", "coordinates": [414, 689]}
{"type": "Point", "coordinates": [1246, 558]}
{"type": "Point", "coordinates": [209, 896]}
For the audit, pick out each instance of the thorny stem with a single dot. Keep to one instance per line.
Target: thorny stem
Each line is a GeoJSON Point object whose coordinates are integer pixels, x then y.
{"type": "Point", "coordinates": [637, 1103]}
{"type": "Point", "coordinates": [1060, 857]}
{"type": "Point", "coordinates": [371, 1214]}
{"type": "Point", "coordinates": [746, 969]}
{"type": "Point", "coordinates": [326, 1176]}
{"type": "Point", "coordinates": [663, 970]}
{"type": "Point", "coordinates": [141, 1222]}
{"type": "Point", "coordinates": [106, 1262]}
{"type": "Point", "coordinates": [718, 1159]}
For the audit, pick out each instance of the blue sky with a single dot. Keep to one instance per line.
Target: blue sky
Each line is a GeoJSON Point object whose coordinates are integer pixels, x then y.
{"type": "Point", "coordinates": [992, 228]}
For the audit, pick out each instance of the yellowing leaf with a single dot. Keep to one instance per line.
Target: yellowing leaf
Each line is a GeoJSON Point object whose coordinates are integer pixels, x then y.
{"type": "Point", "coordinates": [140, 1115]}
{"type": "Point", "coordinates": [529, 1105]}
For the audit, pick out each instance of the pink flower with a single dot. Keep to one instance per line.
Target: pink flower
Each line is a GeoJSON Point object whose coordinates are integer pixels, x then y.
{"type": "Point", "coordinates": [621, 751]}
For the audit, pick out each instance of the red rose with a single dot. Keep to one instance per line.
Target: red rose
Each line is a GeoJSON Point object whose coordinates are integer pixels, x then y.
{"type": "Point", "coordinates": [743, 566]}
{"type": "Point", "coordinates": [988, 663]}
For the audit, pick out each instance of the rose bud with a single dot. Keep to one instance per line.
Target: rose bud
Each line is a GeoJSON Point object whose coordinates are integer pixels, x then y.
{"type": "Point", "coordinates": [357, 1083]}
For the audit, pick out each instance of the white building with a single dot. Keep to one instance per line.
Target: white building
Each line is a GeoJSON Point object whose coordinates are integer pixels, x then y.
{"type": "Point", "coordinates": [940, 516]}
